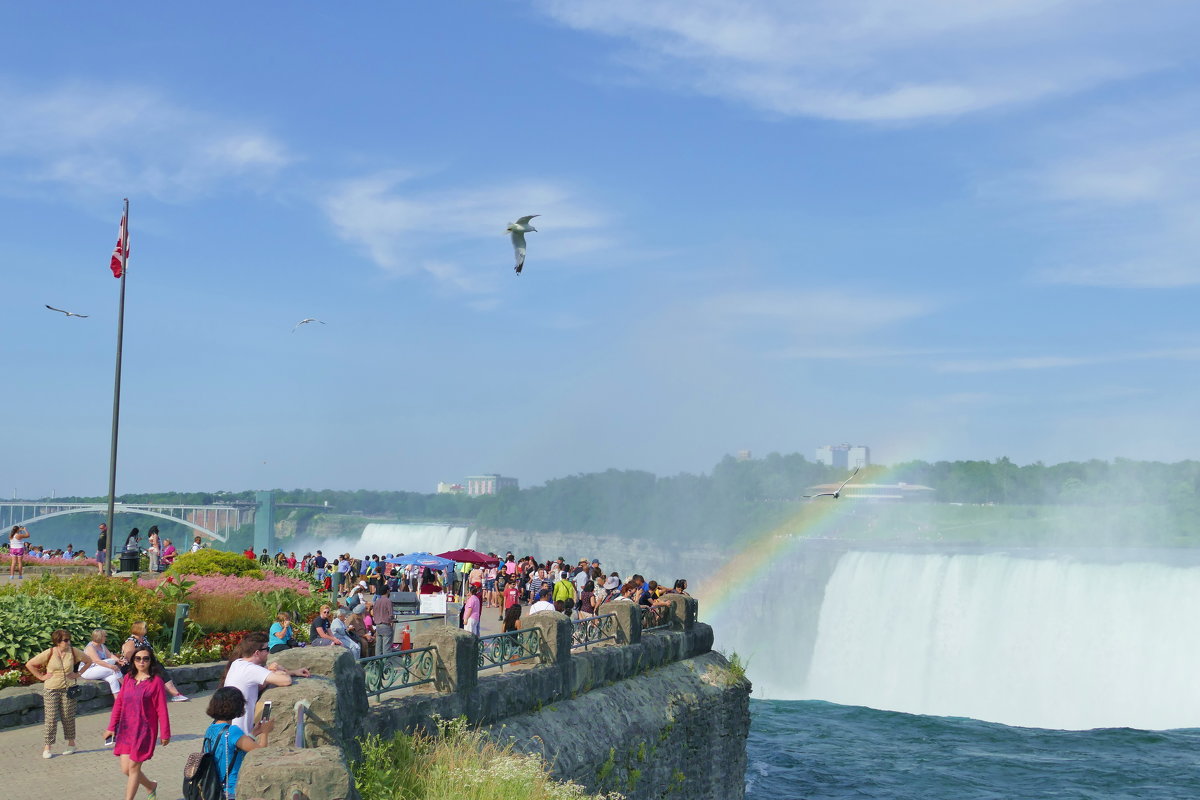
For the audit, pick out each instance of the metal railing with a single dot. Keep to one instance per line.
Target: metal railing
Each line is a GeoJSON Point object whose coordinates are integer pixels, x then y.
{"type": "Point", "coordinates": [656, 618]}
{"type": "Point", "coordinates": [499, 649]}
{"type": "Point", "coordinates": [587, 631]}
{"type": "Point", "coordinates": [399, 669]}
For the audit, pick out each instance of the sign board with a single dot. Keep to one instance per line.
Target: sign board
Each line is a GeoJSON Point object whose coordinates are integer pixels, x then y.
{"type": "Point", "coordinates": [433, 603]}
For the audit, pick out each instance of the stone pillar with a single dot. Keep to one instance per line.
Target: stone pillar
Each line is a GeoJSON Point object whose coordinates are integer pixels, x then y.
{"type": "Point", "coordinates": [556, 635]}
{"type": "Point", "coordinates": [336, 693]}
{"type": "Point", "coordinates": [629, 620]}
{"type": "Point", "coordinates": [683, 612]}
{"type": "Point", "coordinates": [284, 773]}
{"type": "Point", "coordinates": [457, 658]}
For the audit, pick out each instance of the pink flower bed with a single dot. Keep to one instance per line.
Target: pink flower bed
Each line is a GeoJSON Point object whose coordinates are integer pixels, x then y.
{"type": "Point", "coordinates": [60, 562]}
{"type": "Point", "coordinates": [231, 584]}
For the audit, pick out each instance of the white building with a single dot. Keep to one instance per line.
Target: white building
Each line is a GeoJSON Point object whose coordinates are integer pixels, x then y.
{"type": "Point", "coordinates": [844, 456]}
{"type": "Point", "coordinates": [478, 485]}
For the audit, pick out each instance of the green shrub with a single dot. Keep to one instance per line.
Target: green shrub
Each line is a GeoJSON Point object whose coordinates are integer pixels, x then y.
{"type": "Point", "coordinates": [215, 562]}
{"type": "Point", "coordinates": [26, 623]}
{"type": "Point", "coordinates": [460, 764]}
{"type": "Point", "coordinates": [120, 602]}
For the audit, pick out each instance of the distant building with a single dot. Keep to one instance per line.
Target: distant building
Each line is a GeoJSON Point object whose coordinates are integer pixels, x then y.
{"type": "Point", "coordinates": [479, 485]}
{"type": "Point", "coordinates": [877, 491]}
{"type": "Point", "coordinates": [844, 456]}
{"type": "Point", "coordinates": [744, 455]}
{"type": "Point", "coordinates": [450, 488]}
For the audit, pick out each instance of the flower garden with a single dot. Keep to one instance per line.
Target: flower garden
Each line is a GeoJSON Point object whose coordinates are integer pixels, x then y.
{"type": "Point", "coordinates": [227, 593]}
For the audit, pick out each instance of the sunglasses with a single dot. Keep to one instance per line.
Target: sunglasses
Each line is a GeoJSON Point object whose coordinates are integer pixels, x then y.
{"type": "Point", "coordinates": [261, 649]}
{"type": "Point", "coordinates": [141, 658]}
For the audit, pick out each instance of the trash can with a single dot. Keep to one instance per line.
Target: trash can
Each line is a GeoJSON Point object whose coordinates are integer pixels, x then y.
{"type": "Point", "coordinates": [130, 560]}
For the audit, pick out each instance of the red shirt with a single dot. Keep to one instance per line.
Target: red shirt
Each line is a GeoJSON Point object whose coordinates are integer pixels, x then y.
{"type": "Point", "coordinates": [510, 596]}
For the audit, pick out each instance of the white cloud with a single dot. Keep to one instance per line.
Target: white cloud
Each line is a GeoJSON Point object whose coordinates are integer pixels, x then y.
{"type": "Point", "coordinates": [99, 138]}
{"type": "Point", "coordinates": [1040, 362]}
{"type": "Point", "coordinates": [1123, 185]}
{"type": "Point", "coordinates": [457, 235]}
{"type": "Point", "coordinates": [882, 60]}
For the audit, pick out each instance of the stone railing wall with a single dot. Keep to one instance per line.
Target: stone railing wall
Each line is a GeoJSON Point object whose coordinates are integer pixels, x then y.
{"type": "Point", "coordinates": [665, 693]}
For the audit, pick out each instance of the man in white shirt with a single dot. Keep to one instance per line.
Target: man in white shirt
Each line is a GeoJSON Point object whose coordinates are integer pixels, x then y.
{"type": "Point", "coordinates": [541, 604]}
{"type": "Point", "coordinates": [249, 674]}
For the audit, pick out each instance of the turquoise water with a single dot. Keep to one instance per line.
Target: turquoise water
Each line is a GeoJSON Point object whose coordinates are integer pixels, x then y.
{"type": "Point", "coordinates": [811, 750]}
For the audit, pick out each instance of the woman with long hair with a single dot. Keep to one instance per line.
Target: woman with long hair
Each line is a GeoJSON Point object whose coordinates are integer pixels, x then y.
{"type": "Point", "coordinates": [512, 619]}
{"type": "Point", "coordinates": [138, 638]}
{"type": "Point", "coordinates": [16, 549]}
{"type": "Point", "coordinates": [139, 719]}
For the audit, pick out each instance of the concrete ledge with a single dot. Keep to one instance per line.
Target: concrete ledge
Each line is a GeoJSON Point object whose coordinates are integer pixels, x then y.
{"type": "Point", "coordinates": [22, 705]}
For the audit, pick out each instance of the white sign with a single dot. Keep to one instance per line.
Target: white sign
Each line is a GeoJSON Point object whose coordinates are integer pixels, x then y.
{"type": "Point", "coordinates": [433, 603]}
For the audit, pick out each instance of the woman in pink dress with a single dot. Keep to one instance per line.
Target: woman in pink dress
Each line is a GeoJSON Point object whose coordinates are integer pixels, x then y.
{"type": "Point", "coordinates": [139, 717]}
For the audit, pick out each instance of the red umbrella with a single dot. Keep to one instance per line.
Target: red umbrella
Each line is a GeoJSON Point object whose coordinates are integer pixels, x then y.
{"type": "Point", "coordinates": [471, 557]}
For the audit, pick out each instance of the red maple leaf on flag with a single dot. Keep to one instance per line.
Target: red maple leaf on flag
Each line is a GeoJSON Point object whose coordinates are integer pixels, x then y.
{"type": "Point", "coordinates": [121, 251]}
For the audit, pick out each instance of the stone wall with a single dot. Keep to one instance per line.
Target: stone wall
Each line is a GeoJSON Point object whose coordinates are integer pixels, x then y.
{"type": "Point", "coordinates": [22, 705]}
{"type": "Point", "coordinates": [657, 713]}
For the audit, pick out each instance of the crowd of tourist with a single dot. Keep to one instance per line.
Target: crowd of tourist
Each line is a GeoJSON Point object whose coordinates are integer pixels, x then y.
{"type": "Point", "coordinates": [359, 617]}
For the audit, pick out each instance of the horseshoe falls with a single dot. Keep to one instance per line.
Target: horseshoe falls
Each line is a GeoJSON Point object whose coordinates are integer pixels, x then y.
{"type": "Point", "coordinates": [967, 675]}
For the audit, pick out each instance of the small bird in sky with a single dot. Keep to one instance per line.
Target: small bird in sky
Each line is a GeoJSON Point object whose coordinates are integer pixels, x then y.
{"type": "Point", "coordinates": [68, 313]}
{"type": "Point", "coordinates": [518, 230]}
{"type": "Point", "coordinates": [305, 321]}
{"type": "Point", "coordinates": [838, 493]}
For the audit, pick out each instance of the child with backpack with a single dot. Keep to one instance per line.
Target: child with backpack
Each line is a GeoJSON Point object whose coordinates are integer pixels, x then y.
{"type": "Point", "coordinates": [213, 774]}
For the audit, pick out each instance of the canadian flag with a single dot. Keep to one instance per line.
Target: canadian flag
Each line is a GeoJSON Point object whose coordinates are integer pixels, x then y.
{"type": "Point", "coordinates": [121, 251]}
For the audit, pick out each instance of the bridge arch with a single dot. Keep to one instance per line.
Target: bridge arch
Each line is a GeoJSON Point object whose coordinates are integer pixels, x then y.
{"type": "Point", "coordinates": [103, 509]}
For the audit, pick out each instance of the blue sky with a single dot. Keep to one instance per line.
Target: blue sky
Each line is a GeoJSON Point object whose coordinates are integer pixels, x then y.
{"type": "Point", "coordinates": [943, 230]}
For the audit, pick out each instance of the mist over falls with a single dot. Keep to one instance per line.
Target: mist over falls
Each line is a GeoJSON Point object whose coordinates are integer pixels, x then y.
{"type": "Point", "coordinates": [1037, 638]}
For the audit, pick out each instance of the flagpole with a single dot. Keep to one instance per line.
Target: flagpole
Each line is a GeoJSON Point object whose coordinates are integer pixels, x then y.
{"type": "Point", "coordinates": [116, 418]}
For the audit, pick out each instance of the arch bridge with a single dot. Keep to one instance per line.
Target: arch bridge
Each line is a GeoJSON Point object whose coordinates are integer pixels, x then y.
{"type": "Point", "coordinates": [216, 522]}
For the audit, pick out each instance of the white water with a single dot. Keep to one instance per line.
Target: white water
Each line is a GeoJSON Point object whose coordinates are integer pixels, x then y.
{"type": "Point", "coordinates": [1021, 641]}
{"type": "Point", "coordinates": [380, 538]}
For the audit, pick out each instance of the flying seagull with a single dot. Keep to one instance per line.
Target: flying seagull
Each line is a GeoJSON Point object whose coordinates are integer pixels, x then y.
{"type": "Point", "coordinates": [518, 230]}
{"type": "Point", "coordinates": [68, 313]}
{"type": "Point", "coordinates": [838, 493]}
{"type": "Point", "coordinates": [305, 321]}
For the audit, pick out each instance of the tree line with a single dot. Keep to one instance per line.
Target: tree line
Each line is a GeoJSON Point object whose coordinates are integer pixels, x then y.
{"type": "Point", "coordinates": [741, 498]}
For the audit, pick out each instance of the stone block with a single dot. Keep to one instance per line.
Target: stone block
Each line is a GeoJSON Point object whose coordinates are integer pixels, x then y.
{"type": "Point", "coordinates": [279, 773]}
{"type": "Point", "coordinates": [556, 635]}
{"type": "Point", "coordinates": [16, 699]}
{"type": "Point", "coordinates": [629, 620]}
{"type": "Point", "coordinates": [457, 659]}
{"type": "Point", "coordinates": [684, 610]}
{"type": "Point", "coordinates": [337, 692]}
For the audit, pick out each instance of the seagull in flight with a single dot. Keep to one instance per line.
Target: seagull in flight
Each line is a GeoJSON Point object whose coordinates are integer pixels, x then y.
{"type": "Point", "coordinates": [68, 313]}
{"type": "Point", "coordinates": [305, 321]}
{"type": "Point", "coordinates": [838, 493]}
{"type": "Point", "coordinates": [518, 230]}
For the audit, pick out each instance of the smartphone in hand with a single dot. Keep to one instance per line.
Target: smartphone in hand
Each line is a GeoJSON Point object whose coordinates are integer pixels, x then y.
{"type": "Point", "coordinates": [266, 714]}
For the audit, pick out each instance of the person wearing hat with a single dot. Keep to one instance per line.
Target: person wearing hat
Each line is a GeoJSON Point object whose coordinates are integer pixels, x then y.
{"type": "Point", "coordinates": [356, 602]}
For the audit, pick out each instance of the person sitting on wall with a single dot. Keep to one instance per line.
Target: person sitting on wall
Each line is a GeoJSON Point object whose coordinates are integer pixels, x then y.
{"type": "Point", "coordinates": [540, 603]}
{"type": "Point", "coordinates": [319, 633]}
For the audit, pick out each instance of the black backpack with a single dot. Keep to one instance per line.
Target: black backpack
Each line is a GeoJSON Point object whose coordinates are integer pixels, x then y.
{"type": "Point", "coordinates": [202, 779]}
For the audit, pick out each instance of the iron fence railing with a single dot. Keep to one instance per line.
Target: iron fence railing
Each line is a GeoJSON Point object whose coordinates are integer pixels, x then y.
{"type": "Point", "coordinates": [587, 631]}
{"type": "Point", "coordinates": [656, 618]}
{"type": "Point", "coordinates": [499, 649]}
{"type": "Point", "coordinates": [399, 669]}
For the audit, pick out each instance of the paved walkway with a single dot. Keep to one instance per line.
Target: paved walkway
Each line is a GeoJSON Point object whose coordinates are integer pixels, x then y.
{"type": "Point", "coordinates": [93, 771]}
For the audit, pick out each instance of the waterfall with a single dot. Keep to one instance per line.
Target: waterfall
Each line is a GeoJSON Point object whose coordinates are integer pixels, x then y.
{"type": "Point", "coordinates": [380, 538]}
{"type": "Point", "coordinates": [1034, 642]}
